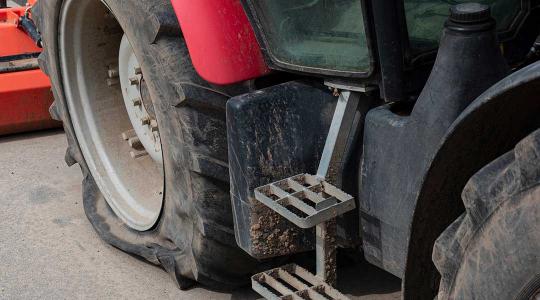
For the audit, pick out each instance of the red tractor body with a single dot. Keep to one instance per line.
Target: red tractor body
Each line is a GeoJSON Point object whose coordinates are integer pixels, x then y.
{"type": "Point", "coordinates": [220, 39]}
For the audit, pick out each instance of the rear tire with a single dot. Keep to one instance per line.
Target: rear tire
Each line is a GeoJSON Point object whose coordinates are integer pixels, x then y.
{"type": "Point", "coordinates": [493, 250]}
{"type": "Point", "coordinates": [194, 238]}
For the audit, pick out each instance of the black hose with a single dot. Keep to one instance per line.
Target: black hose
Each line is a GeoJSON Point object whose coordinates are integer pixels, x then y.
{"type": "Point", "coordinates": [30, 28]}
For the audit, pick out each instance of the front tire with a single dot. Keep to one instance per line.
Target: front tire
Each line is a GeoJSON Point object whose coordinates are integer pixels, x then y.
{"type": "Point", "coordinates": [193, 238]}
{"type": "Point", "coordinates": [493, 250]}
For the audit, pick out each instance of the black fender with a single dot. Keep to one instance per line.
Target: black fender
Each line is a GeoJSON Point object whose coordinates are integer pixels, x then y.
{"type": "Point", "coordinates": [489, 127]}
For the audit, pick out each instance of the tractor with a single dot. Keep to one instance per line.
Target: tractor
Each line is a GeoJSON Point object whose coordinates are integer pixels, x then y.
{"type": "Point", "coordinates": [220, 139]}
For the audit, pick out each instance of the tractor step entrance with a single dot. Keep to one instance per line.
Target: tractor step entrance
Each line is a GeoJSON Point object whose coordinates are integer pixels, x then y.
{"type": "Point", "coordinates": [305, 200]}
{"type": "Point", "coordinates": [293, 282]}
{"type": "Point", "coordinates": [308, 201]}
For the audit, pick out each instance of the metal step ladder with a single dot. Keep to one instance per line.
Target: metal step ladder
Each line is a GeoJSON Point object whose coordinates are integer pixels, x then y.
{"type": "Point", "coordinates": [309, 201]}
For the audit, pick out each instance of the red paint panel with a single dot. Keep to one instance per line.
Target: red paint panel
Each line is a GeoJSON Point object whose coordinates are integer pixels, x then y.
{"type": "Point", "coordinates": [220, 39]}
{"type": "Point", "coordinates": [25, 98]}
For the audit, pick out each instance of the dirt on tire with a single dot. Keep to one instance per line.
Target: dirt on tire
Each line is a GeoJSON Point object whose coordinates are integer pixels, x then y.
{"type": "Point", "coordinates": [194, 238]}
{"type": "Point", "coordinates": [493, 250]}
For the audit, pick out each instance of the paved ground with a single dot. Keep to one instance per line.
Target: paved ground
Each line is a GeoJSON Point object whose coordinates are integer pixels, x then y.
{"type": "Point", "coordinates": [12, 3]}
{"type": "Point", "coordinates": [49, 250]}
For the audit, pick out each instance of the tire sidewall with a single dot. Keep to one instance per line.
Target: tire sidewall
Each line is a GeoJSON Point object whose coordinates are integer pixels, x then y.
{"type": "Point", "coordinates": [503, 256]}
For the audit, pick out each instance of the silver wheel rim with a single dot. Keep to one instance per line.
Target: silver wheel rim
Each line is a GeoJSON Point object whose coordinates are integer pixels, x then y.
{"type": "Point", "coordinates": [96, 71]}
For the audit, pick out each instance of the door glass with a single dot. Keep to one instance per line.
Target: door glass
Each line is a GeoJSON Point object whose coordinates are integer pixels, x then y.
{"type": "Point", "coordinates": [320, 34]}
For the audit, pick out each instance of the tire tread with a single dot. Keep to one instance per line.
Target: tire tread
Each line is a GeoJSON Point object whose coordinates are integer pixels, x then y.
{"type": "Point", "coordinates": [486, 191]}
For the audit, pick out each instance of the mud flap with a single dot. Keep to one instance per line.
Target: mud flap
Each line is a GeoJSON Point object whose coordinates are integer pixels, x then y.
{"type": "Point", "coordinates": [274, 133]}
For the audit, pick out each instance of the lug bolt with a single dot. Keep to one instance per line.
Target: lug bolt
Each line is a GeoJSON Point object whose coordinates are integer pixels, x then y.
{"type": "Point", "coordinates": [137, 102]}
{"type": "Point", "coordinates": [137, 154]}
{"type": "Point", "coordinates": [154, 125]}
{"type": "Point", "coordinates": [126, 135]}
{"type": "Point", "coordinates": [145, 121]}
{"type": "Point", "coordinates": [134, 142]}
{"type": "Point", "coordinates": [134, 80]}
{"type": "Point", "coordinates": [138, 71]}
{"type": "Point", "coordinates": [113, 73]}
{"type": "Point", "coordinates": [112, 81]}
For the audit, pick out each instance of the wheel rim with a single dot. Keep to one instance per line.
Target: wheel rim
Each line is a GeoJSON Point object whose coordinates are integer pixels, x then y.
{"type": "Point", "coordinates": [117, 136]}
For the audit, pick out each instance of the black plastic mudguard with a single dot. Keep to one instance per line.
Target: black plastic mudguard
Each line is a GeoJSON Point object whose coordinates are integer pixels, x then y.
{"type": "Point", "coordinates": [273, 134]}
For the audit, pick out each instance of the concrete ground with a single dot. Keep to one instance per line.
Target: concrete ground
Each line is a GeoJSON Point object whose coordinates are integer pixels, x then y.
{"type": "Point", "coordinates": [49, 250]}
{"type": "Point", "coordinates": [13, 3]}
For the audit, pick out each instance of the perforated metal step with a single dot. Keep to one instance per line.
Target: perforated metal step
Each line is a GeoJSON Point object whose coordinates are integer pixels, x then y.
{"type": "Point", "coordinates": [293, 282]}
{"type": "Point", "coordinates": [305, 200]}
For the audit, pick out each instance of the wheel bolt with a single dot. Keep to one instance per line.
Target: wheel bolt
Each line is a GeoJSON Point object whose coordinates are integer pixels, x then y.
{"type": "Point", "coordinates": [138, 71]}
{"type": "Point", "coordinates": [154, 125]}
{"type": "Point", "coordinates": [134, 142]}
{"type": "Point", "coordinates": [134, 80]}
{"type": "Point", "coordinates": [145, 121]}
{"type": "Point", "coordinates": [126, 135]}
{"type": "Point", "coordinates": [137, 102]}
{"type": "Point", "coordinates": [112, 81]}
{"type": "Point", "coordinates": [137, 154]}
{"type": "Point", "coordinates": [113, 73]}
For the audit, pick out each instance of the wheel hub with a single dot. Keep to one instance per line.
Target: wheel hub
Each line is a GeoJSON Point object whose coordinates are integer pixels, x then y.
{"type": "Point", "coordinates": [144, 124]}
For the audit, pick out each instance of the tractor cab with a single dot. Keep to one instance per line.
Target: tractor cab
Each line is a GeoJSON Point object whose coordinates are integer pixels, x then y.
{"type": "Point", "coordinates": [385, 43]}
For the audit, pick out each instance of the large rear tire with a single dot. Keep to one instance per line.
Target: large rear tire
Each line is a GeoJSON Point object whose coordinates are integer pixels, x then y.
{"type": "Point", "coordinates": [193, 237]}
{"type": "Point", "coordinates": [493, 250]}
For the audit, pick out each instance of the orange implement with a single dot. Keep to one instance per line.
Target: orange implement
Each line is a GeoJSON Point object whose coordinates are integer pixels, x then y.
{"type": "Point", "coordinates": [14, 40]}
{"type": "Point", "coordinates": [25, 98]}
{"type": "Point", "coordinates": [25, 91]}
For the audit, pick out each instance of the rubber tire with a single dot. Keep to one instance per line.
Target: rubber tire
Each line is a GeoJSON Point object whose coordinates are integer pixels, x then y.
{"type": "Point", "coordinates": [492, 251]}
{"type": "Point", "coordinates": [194, 238]}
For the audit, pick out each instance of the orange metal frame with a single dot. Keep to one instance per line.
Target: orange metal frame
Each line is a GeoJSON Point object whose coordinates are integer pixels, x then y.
{"type": "Point", "coordinates": [25, 96]}
{"type": "Point", "coordinates": [14, 40]}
